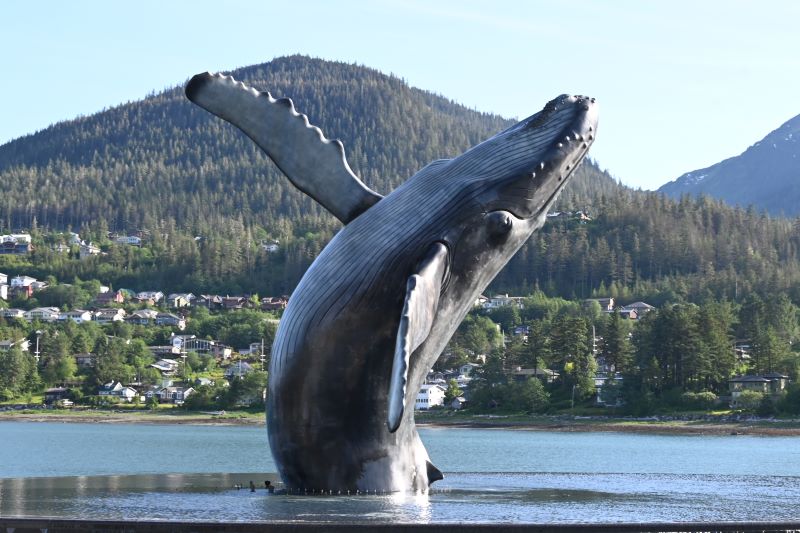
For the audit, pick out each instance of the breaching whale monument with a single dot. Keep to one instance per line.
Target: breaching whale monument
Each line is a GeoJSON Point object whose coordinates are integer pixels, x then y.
{"type": "Point", "coordinates": [377, 307]}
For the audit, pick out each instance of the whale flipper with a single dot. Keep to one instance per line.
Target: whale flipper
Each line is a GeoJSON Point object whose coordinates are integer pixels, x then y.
{"type": "Point", "coordinates": [419, 310]}
{"type": "Point", "coordinates": [315, 165]}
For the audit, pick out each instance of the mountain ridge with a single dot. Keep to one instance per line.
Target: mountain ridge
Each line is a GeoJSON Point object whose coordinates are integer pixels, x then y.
{"type": "Point", "coordinates": [766, 175]}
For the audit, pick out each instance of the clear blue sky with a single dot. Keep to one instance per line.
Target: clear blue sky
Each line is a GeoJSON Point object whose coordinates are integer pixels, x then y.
{"type": "Point", "coordinates": [681, 84]}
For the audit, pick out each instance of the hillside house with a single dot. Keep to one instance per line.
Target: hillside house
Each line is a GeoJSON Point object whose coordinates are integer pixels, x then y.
{"type": "Point", "coordinates": [3, 291]}
{"type": "Point", "coordinates": [150, 297]}
{"type": "Point", "coordinates": [12, 313]}
{"type": "Point", "coordinates": [176, 395]}
{"type": "Point", "coordinates": [85, 360]}
{"type": "Point", "coordinates": [772, 384]}
{"type": "Point", "coordinates": [234, 302]}
{"type": "Point", "coordinates": [142, 317]}
{"type": "Point", "coordinates": [429, 395]}
{"type": "Point", "coordinates": [209, 301]}
{"type": "Point", "coordinates": [238, 370]}
{"type": "Point", "coordinates": [7, 344]}
{"type": "Point", "coordinates": [179, 300]}
{"type": "Point", "coordinates": [55, 395]}
{"type": "Point", "coordinates": [640, 308]}
{"type": "Point", "coordinates": [274, 303]}
{"type": "Point", "coordinates": [88, 250]}
{"type": "Point", "coordinates": [115, 389]}
{"type": "Point", "coordinates": [606, 304]}
{"type": "Point", "coordinates": [3, 279]}
{"type": "Point", "coordinates": [109, 315]}
{"type": "Point", "coordinates": [167, 367]}
{"type": "Point", "coordinates": [104, 299]}
{"type": "Point", "coordinates": [21, 281]}
{"type": "Point", "coordinates": [15, 248]}
{"type": "Point", "coordinates": [79, 316]}
{"type": "Point", "coordinates": [43, 314]}
{"type": "Point", "coordinates": [168, 319]}
{"type": "Point", "coordinates": [503, 300]}
{"type": "Point", "coordinates": [130, 240]}
{"type": "Point", "coordinates": [545, 374]}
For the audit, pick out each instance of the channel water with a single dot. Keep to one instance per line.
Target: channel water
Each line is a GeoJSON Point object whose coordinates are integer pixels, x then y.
{"type": "Point", "coordinates": [186, 472]}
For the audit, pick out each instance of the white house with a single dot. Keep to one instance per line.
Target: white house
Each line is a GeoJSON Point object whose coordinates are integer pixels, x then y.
{"type": "Point", "coordinates": [429, 396]}
{"type": "Point", "coordinates": [503, 300]}
{"type": "Point", "coordinates": [39, 285]}
{"type": "Point", "coordinates": [12, 313]}
{"type": "Point", "coordinates": [23, 345]}
{"type": "Point", "coordinates": [3, 291]}
{"type": "Point", "coordinates": [180, 299]}
{"type": "Point", "coordinates": [176, 395]}
{"type": "Point", "coordinates": [166, 366]}
{"type": "Point", "coordinates": [129, 239]}
{"type": "Point", "coordinates": [88, 250]}
{"type": "Point", "coordinates": [107, 316]}
{"type": "Point", "coordinates": [79, 316]}
{"type": "Point", "coordinates": [3, 279]}
{"type": "Point", "coordinates": [22, 281]}
{"type": "Point", "coordinates": [156, 296]}
{"type": "Point", "coordinates": [117, 390]}
{"type": "Point", "coordinates": [45, 314]}
{"type": "Point", "coordinates": [16, 237]}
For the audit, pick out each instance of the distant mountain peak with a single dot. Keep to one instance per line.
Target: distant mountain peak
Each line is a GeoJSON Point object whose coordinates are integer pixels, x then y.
{"type": "Point", "coordinates": [766, 175]}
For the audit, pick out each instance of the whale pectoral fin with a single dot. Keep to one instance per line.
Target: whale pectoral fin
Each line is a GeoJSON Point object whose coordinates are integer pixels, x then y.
{"type": "Point", "coordinates": [419, 311]}
{"type": "Point", "coordinates": [315, 165]}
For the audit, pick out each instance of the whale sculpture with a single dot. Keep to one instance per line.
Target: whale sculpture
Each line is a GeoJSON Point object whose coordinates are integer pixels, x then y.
{"type": "Point", "coordinates": [377, 307]}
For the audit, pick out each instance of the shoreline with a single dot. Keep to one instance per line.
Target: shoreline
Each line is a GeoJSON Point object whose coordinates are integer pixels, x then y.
{"type": "Point", "coordinates": [753, 427]}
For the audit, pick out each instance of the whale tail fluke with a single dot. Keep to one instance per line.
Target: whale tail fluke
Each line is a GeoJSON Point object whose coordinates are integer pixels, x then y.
{"type": "Point", "coordinates": [434, 474]}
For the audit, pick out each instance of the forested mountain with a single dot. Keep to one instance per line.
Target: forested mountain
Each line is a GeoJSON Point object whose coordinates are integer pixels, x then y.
{"type": "Point", "coordinates": [766, 175]}
{"type": "Point", "coordinates": [204, 197]}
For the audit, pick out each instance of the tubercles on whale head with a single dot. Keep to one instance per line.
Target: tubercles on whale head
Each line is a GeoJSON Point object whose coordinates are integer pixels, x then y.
{"type": "Point", "coordinates": [545, 150]}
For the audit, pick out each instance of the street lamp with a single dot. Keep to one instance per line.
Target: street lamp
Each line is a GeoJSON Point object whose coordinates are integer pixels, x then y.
{"type": "Point", "coordinates": [36, 353]}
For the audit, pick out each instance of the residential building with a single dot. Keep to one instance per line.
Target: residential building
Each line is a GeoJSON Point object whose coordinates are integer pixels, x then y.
{"type": "Point", "coordinates": [16, 237]}
{"type": "Point", "coordinates": [3, 291]}
{"type": "Point", "coordinates": [109, 315]}
{"type": "Point", "coordinates": [606, 304]}
{"type": "Point", "coordinates": [640, 308]}
{"type": "Point", "coordinates": [209, 301]}
{"type": "Point", "coordinates": [142, 317]}
{"type": "Point", "coordinates": [234, 302]}
{"type": "Point", "coordinates": [3, 279]}
{"type": "Point", "coordinates": [12, 313]}
{"type": "Point", "coordinates": [22, 344]}
{"type": "Point", "coordinates": [85, 360]}
{"type": "Point", "coordinates": [176, 395]}
{"type": "Point", "coordinates": [79, 316]}
{"type": "Point", "coordinates": [238, 370]}
{"type": "Point", "coordinates": [44, 314]}
{"type": "Point", "coordinates": [270, 246]}
{"type": "Point", "coordinates": [168, 319]}
{"type": "Point", "coordinates": [177, 300]}
{"type": "Point", "coordinates": [22, 281]}
{"type": "Point", "coordinates": [429, 395]}
{"type": "Point", "coordinates": [150, 296]}
{"type": "Point", "coordinates": [274, 303]}
{"type": "Point", "coordinates": [131, 240]}
{"type": "Point", "coordinates": [167, 367]}
{"type": "Point", "coordinates": [503, 300]}
{"type": "Point", "coordinates": [629, 314]}
{"type": "Point", "coordinates": [88, 250]}
{"type": "Point", "coordinates": [545, 374]}
{"type": "Point", "coordinates": [55, 395]}
{"type": "Point", "coordinates": [771, 384]}
{"type": "Point", "coordinates": [115, 389]}
{"type": "Point", "coordinates": [109, 297]}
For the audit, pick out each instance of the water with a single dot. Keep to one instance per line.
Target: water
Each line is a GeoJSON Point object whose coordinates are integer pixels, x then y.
{"type": "Point", "coordinates": [491, 476]}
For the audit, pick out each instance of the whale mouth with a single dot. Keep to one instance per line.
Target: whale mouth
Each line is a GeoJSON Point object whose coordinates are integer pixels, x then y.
{"type": "Point", "coordinates": [558, 138]}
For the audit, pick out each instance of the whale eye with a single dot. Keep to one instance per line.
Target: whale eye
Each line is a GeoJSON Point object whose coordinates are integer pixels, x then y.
{"type": "Point", "coordinates": [498, 224]}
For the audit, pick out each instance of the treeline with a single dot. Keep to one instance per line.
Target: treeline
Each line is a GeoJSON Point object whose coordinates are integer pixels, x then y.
{"type": "Point", "coordinates": [121, 351]}
{"type": "Point", "coordinates": [679, 356]}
